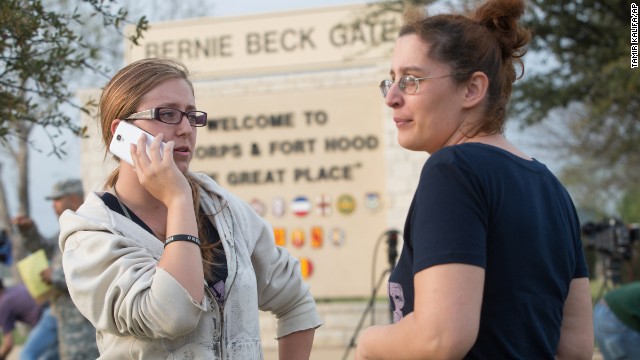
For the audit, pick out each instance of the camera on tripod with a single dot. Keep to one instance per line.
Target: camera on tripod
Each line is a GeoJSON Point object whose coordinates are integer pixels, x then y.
{"type": "Point", "coordinates": [613, 239]}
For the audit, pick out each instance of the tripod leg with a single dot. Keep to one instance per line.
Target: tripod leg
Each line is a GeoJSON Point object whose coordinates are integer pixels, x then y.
{"type": "Point", "coordinates": [603, 287]}
{"type": "Point", "coordinates": [370, 307]}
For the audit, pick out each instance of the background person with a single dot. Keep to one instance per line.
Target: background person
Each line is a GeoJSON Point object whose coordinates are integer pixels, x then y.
{"type": "Point", "coordinates": [75, 335]}
{"type": "Point", "coordinates": [6, 248]}
{"type": "Point", "coordinates": [166, 263]}
{"type": "Point", "coordinates": [616, 319]}
{"type": "Point", "coordinates": [16, 304]}
{"type": "Point", "coordinates": [492, 266]}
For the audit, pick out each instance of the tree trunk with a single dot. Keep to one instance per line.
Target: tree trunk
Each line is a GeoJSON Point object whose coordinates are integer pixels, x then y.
{"type": "Point", "coordinates": [22, 162]}
{"type": "Point", "coordinates": [18, 151]}
{"type": "Point", "coordinates": [5, 222]}
{"type": "Point", "coordinates": [5, 218]}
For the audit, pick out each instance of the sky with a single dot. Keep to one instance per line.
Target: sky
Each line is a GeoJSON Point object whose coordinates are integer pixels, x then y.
{"type": "Point", "coordinates": [234, 8]}
{"type": "Point", "coordinates": [46, 170]}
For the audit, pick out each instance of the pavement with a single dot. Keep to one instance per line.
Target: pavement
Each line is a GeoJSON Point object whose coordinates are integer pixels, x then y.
{"type": "Point", "coordinates": [316, 354]}
{"type": "Point", "coordinates": [269, 354]}
{"type": "Point", "coordinates": [324, 353]}
{"type": "Point", "coordinates": [338, 354]}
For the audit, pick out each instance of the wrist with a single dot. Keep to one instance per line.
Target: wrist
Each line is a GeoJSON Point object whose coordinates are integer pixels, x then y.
{"type": "Point", "coordinates": [182, 237]}
{"type": "Point", "coordinates": [181, 202]}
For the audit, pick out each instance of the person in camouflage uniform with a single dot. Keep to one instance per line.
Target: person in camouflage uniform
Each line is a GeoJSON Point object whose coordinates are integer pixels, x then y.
{"type": "Point", "coordinates": [76, 335]}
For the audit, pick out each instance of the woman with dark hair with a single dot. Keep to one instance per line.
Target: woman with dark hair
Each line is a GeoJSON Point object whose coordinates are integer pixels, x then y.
{"type": "Point", "coordinates": [492, 266]}
{"type": "Point", "coordinates": [165, 263]}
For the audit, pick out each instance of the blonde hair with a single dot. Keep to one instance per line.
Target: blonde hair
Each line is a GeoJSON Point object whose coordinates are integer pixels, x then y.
{"type": "Point", "coordinates": [121, 97]}
{"type": "Point", "coordinates": [124, 92]}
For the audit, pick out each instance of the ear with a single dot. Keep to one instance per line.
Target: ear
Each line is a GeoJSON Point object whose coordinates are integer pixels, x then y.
{"type": "Point", "coordinates": [114, 125]}
{"type": "Point", "coordinates": [475, 90]}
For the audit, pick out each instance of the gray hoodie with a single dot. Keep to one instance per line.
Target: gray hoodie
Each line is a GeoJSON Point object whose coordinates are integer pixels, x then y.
{"type": "Point", "coordinates": [141, 312]}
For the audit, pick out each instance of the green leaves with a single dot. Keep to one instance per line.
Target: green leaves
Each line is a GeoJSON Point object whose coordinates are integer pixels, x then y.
{"type": "Point", "coordinates": [589, 46]}
{"type": "Point", "coordinates": [39, 48]}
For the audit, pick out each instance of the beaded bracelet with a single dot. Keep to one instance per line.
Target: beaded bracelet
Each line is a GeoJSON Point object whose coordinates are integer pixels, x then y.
{"type": "Point", "coordinates": [182, 237]}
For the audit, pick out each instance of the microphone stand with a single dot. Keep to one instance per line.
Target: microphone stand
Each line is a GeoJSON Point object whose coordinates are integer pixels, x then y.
{"type": "Point", "coordinates": [392, 242]}
{"type": "Point", "coordinates": [370, 307]}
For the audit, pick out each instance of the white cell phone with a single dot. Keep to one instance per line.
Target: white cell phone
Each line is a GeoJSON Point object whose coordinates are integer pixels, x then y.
{"type": "Point", "coordinates": [125, 135]}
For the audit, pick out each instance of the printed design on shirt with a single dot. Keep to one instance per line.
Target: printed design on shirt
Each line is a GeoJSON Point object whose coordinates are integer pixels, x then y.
{"type": "Point", "coordinates": [397, 297]}
{"type": "Point", "coordinates": [218, 290]}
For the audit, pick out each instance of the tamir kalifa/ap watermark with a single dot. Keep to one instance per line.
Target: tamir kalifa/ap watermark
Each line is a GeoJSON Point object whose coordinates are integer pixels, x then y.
{"type": "Point", "coordinates": [634, 35]}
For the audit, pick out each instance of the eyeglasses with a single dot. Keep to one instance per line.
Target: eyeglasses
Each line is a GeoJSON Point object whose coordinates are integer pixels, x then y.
{"type": "Point", "coordinates": [408, 84]}
{"type": "Point", "coordinates": [171, 116]}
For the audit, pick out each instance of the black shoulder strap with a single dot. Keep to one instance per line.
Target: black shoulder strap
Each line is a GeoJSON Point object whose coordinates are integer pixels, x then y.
{"type": "Point", "coordinates": [114, 205]}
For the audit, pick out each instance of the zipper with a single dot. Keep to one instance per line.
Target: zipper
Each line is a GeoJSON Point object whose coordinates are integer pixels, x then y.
{"type": "Point", "coordinates": [222, 332]}
{"type": "Point", "coordinates": [233, 279]}
{"type": "Point", "coordinates": [221, 310]}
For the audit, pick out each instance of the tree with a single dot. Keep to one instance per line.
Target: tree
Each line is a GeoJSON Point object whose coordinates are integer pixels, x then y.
{"type": "Point", "coordinates": [586, 72]}
{"type": "Point", "coordinates": [584, 93]}
{"type": "Point", "coordinates": [56, 47]}
{"type": "Point", "coordinates": [39, 49]}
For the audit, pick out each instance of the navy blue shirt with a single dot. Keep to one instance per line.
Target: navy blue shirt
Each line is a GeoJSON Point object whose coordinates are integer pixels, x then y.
{"type": "Point", "coordinates": [480, 205]}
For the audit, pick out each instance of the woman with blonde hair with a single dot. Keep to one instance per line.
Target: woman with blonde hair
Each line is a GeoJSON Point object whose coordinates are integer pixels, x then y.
{"type": "Point", "coordinates": [165, 263]}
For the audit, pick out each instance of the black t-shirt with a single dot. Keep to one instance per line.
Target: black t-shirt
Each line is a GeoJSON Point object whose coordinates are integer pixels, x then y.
{"type": "Point", "coordinates": [480, 205]}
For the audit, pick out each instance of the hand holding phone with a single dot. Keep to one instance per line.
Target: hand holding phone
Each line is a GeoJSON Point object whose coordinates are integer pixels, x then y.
{"type": "Point", "coordinates": [125, 135]}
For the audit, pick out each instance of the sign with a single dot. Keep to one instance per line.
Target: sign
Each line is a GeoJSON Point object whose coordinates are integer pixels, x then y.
{"type": "Point", "coordinates": [280, 42]}
{"type": "Point", "coordinates": [297, 128]}
{"type": "Point", "coordinates": [311, 153]}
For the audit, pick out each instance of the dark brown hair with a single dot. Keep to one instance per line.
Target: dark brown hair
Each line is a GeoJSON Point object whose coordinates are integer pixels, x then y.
{"type": "Point", "coordinates": [490, 41]}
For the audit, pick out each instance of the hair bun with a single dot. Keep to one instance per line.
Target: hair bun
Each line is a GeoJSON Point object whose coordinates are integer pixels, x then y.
{"type": "Point", "coordinates": [501, 18]}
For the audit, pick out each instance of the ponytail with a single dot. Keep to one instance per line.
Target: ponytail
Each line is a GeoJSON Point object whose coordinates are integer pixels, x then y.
{"type": "Point", "coordinates": [500, 18]}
